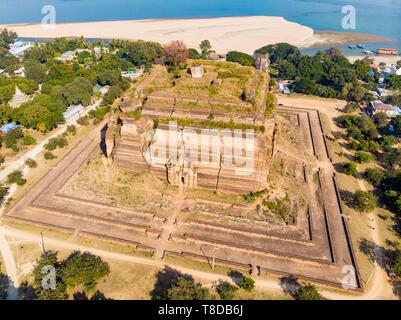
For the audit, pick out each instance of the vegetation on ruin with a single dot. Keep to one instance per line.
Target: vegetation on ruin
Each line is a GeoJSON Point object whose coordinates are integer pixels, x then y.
{"type": "Point", "coordinates": [212, 124]}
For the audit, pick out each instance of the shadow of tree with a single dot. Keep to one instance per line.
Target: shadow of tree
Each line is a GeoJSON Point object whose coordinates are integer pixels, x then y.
{"type": "Point", "coordinates": [348, 198]}
{"type": "Point", "coordinates": [165, 280]}
{"type": "Point", "coordinates": [290, 285]}
{"type": "Point", "coordinates": [235, 276]}
{"type": "Point", "coordinates": [383, 257]}
{"type": "Point", "coordinates": [98, 295]}
{"type": "Point", "coordinates": [26, 292]}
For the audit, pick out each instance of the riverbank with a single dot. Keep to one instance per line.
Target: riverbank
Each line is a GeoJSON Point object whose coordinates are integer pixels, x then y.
{"type": "Point", "coordinates": [225, 34]}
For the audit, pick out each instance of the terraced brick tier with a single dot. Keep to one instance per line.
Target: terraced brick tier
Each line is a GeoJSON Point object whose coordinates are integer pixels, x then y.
{"type": "Point", "coordinates": [317, 247]}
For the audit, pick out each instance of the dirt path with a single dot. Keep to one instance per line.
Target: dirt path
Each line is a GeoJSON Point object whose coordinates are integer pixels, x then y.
{"type": "Point", "coordinates": [373, 293]}
{"type": "Point", "coordinates": [10, 266]}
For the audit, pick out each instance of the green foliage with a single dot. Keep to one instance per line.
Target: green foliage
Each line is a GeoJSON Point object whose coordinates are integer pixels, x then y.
{"type": "Point", "coordinates": [387, 142]}
{"type": "Point", "coordinates": [72, 130]}
{"type": "Point", "coordinates": [53, 143]}
{"type": "Point", "coordinates": [28, 140]}
{"type": "Point", "coordinates": [365, 201]}
{"type": "Point", "coordinates": [397, 264]}
{"type": "Point", "coordinates": [7, 37]}
{"type": "Point", "coordinates": [142, 52]}
{"type": "Point", "coordinates": [279, 51]}
{"type": "Point", "coordinates": [187, 122]}
{"type": "Point", "coordinates": [226, 291]}
{"type": "Point", "coordinates": [252, 196]}
{"type": "Point", "coordinates": [111, 95]}
{"type": "Point", "coordinates": [351, 107]}
{"type": "Point", "coordinates": [240, 57]}
{"type": "Point", "coordinates": [5, 113]}
{"type": "Point", "coordinates": [364, 157]}
{"type": "Point", "coordinates": [11, 139]}
{"type": "Point", "coordinates": [351, 168]}
{"type": "Point", "coordinates": [83, 121]}
{"type": "Point", "coordinates": [30, 163]}
{"type": "Point", "coordinates": [7, 89]}
{"type": "Point", "coordinates": [43, 267]}
{"type": "Point", "coordinates": [271, 104]}
{"type": "Point", "coordinates": [193, 54]}
{"type": "Point", "coordinates": [247, 283]}
{"type": "Point", "coordinates": [84, 269]}
{"type": "Point", "coordinates": [393, 81]}
{"type": "Point", "coordinates": [99, 113]}
{"type": "Point", "coordinates": [35, 71]}
{"type": "Point", "coordinates": [110, 77]}
{"type": "Point", "coordinates": [374, 176]}
{"type": "Point", "coordinates": [49, 156]}
{"type": "Point", "coordinates": [308, 292]}
{"type": "Point", "coordinates": [187, 289]}
{"type": "Point", "coordinates": [16, 177]}
{"type": "Point", "coordinates": [3, 191]}
{"type": "Point", "coordinates": [78, 92]}
{"type": "Point", "coordinates": [381, 120]}
{"type": "Point", "coordinates": [205, 47]}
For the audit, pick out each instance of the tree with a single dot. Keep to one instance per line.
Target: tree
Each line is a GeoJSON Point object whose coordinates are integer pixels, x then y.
{"type": "Point", "coordinates": [351, 168]}
{"type": "Point", "coordinates": [271, 104]}
{"type": "Point", "coordinates": [364, 157]}
{"type": "Point", "coordinates": [205, 47]}
{"type": "Point", "coordinates": [5, 113]}
{"type": "Point", "coordinates": [226, 291]}
{"type": "Point", "coordinates": [365, 201]}
{"type": "Point", "coordinates": [279, 51]}
{"type": "Point", "coordinates": [175, 54]}
{"type": "Point", "coordinates": [78, 92]}
{"type": "Point", "coordinates": [16, 177]}
{"type": "Point", "coordinates": [397, 264]}
{"type": "Point", "coordinates": [308, 292]}
{"type": "Point", "coordinates": [247, 283]}
{"type": "Point", "coordinates": [393, 81]}
{"type": "Point", "coordinates": [7, 37]}
{"type": "Point", "coordinates": [30, 163]}
{"type": "Point", "coordinates": [193, 54]}
{"type": "Point", "coordinates": [110, 77]}
{"type": "Point", "coordinates": [381, 120]}
{"type": "Point", "coordinates": [240, 57]}
{"type": "Point", "coordinates": [375, 176]}
{"type": "Point", "coordinates": [36, 71]}
{"type": "Point", "coordinates": [187, 289]}
{"type": "Point", "coordinates": [351, 107]}
{"type": "Point", "coordinates": [84, 269]}
{"type": "Point", "coordinates": [287, 70]}
{"type": "Point", "coordinates": [387, 142]}
{"type": "Point", "coordinates": [45, 289]}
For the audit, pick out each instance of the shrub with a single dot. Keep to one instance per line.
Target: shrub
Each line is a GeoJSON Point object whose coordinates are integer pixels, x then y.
{"type": "Point", "coordinates": [72, 130]}
{"type": "Point", "coordinates": [83, 121]}
{"type": "Point", "coordinates": [28, 140]}
{"type": "Point", "coordinates": [351, 168]}
{"type": "Point", "coordinates": [30, 163]}
{"type": "Point", "coordinates": [397, 265]}
{"type": "Point", "coordinates": [49, 156]}
{"type": "Point", "coordinates": [52, 144]}
{"type": "Point", "coordinates": [308, 292]}
{"type": "Point", "coordinates": [247, 283]}
{"type": "Point", "coordinates": [84, 269]}
{"type": "Point", "coordinates": [2, 159]}
{"type": "Point", "coordinates": [364, 157]}
{"type": "Point", "coordinates": [240, 57]}
{"type": "Point", "coordinates": [3, 191]}
{"type": "Point", "coordinates": [365, 201]}
{"type": "Point", "coordinates": [374, 176]}
{"type": "Point", "coordinates": [187, 289]}
{"type": "Point", "coordinates": [226, 290]}
{"type": "Point", "coordinates": [16, 177]}
{"type": "Point", "coordinates": [351, 107]}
